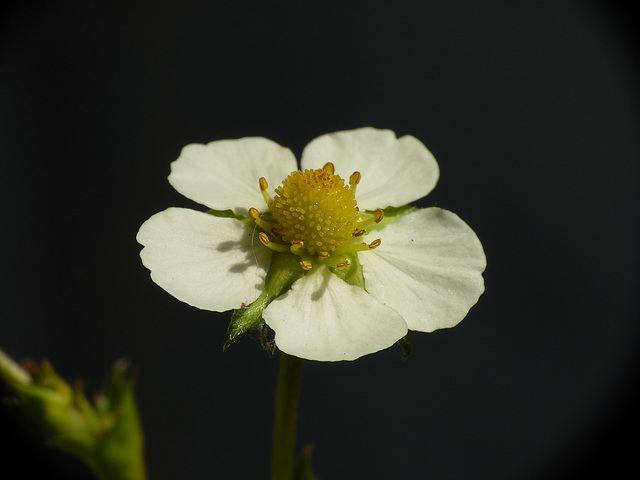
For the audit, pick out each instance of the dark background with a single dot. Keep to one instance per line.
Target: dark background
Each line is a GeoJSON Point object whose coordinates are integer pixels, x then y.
{"type": "Point", "coordinates": [531, 109]}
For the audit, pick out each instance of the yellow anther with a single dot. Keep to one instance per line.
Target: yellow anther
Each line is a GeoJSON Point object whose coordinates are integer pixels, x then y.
{"type": "Point", "coordinates": [342, 265]}
{"type": "Point", "coordinates": [297, 247]}
{"type": "Point", "coordinates": [306, 265]}
{"type": "Point", "coordinates": [378, 215]}
{"type": "Point", "coordinates": [375, 244]}
{"type": "Point", "coordinates": [354, 180]}
{"type": "Point", "coordinates": [255, 216]}
{"type": "Point", "coordinates": [263, 189]}
{"type": "Point", "coordinates": [329, 167]}
{"type": "Point", "coordinates": [359, 233]}
{"type": "Point", "coordinates": [264, 239]}
{"type": "Point", "coordinates": [323, 254]}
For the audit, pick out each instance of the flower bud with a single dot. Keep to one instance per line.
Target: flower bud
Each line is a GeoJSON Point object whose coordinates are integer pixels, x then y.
{"type": "Point", "coordinates": [106, 436]}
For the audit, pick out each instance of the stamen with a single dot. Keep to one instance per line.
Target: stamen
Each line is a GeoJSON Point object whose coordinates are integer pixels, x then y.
{"type": "Point", "coordinates": [323, 254]}
{"type": "Point", "coordinates": [276, 247]}
{"type": "Point", "coordinates": [342, 265]}
{"type": "Point", "coordinates": [264, 239]}
{"type": "Point", "coordinates": [360, 247]}
{"type": "Point", "coordinates": [306, 265]}
{"type": "Point", "coordinates": [255, 216]}
{"type": "Point", "coordinates": [377, 217]}
{"type": "Point", "coordinates": [263, 189]}
{"type": "Point", "coordinates": [354, 180]}
{"type": "Point", "coordinates": [329, 167]}
{"type": "Point", "coordinates": [297, 247]}
{"type": "Point", "coordinates": [336, 261]}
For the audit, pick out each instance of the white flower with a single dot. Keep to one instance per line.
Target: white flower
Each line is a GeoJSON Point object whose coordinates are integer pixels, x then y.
{"type": "Point", "coordinates": [361, 277]}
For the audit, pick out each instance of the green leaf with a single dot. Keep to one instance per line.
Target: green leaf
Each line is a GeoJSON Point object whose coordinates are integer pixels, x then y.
{"type": "Point", "coordinates": [283, 271]}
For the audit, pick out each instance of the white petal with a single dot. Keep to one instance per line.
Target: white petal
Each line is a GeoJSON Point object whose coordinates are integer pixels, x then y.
{"type": "Point", "coordinates": [205, 261]}
{"type": "Point", "coordinates": [395, 171]}
{"type": "Point", "coordinates": [324, 318]}
{"type": "Point", "coordinates": [428, 267]}
{"type": "Point", "coordinates": [224, 174]}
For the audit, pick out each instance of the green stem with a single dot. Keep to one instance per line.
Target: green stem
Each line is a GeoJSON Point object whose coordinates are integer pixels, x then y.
{"type": "Point", "coordinates": [284, 426]}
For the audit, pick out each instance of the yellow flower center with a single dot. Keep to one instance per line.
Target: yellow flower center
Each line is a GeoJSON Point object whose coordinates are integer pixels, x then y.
{"type": "Point", "coordinates": [315, 207]}
{"type": "Point", "coordinates": [315, 215]}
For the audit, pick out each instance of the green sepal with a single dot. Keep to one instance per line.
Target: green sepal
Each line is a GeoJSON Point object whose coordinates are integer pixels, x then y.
{"type": "Point", "coordinates": [283, 271]}
{"type": "Point", "coordinates": [391, 214]}
{"type": "Point", "coordinates": [229, 214]}
{"type": "Point", "coordinates": [303, 469]}
{"type": "Point", "coordinates": [405, 344]}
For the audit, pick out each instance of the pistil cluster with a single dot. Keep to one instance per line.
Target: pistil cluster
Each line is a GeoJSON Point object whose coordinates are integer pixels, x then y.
{"type": "Point", "coordinates": [315, 216]}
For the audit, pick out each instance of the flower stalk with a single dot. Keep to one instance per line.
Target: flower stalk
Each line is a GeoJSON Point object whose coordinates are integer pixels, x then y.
{"type": "Point", "coordinates": [286, 414]}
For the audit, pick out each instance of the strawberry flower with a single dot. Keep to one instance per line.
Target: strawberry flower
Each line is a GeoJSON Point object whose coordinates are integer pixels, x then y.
{"type": "Point", "coordinates": [330, 257]}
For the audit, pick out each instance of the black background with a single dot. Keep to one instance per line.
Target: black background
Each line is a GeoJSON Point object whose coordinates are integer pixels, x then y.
{"type": "Point", "coordinates": [531, 109]}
